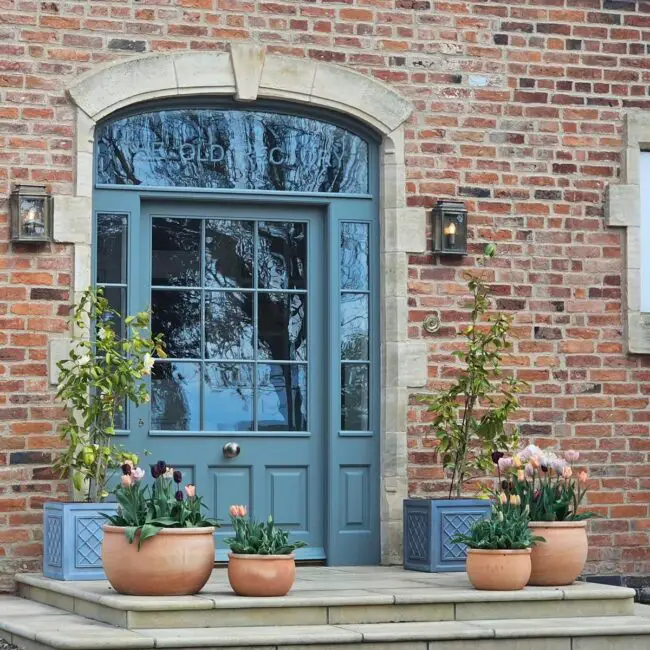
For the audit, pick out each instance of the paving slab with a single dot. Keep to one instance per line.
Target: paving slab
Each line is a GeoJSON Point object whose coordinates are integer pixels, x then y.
{"type": "Point", "coordinates": [568, 627]}
{"type": "Point", "coordinates": [419, 631]}
{"type": "Point", "coordinates": [247, 636]}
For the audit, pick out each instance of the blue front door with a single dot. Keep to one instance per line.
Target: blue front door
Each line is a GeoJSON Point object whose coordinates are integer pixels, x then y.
{"type": "Point", "coordinates": [253, 237]}
{"type": "Point", "coordinates": [237, 292]}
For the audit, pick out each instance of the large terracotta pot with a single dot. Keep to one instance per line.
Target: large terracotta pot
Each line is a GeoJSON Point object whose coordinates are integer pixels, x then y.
{"type": "Point", "coordinates": [176, 562]}
{"type": "Point", "coordinates": [261, 575]}
{"type": "Point", "coordinates": [498, 570]}
{"type": "Point", "coordinates": [561, 558]}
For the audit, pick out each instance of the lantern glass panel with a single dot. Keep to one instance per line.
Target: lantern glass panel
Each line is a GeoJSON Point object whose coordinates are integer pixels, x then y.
{"type": "Point", "coordinates": [32, 218]}
{"type": "Point", "coordinates": [454, 231]}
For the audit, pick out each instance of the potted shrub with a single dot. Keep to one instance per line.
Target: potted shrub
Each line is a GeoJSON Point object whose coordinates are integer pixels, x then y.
{"type": "Point", "coordinates": [552, 490]}
{"type": "Point", "coordinates": [469, 424]}
{"type": "Point", "coordinates": [103, 372]}
{"type": "Point", "coordinates": [499, 548]}
{"type": "Point", "coordinates": [261, 561]}
{"type": "Point", "coordinates": [158, 543]}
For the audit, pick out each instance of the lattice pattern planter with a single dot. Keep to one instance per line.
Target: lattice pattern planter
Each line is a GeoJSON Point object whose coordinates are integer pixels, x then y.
{"type": "Point", "coordinates": [430, 525]}
{"type": "Point", "coordinates": [72, 545]}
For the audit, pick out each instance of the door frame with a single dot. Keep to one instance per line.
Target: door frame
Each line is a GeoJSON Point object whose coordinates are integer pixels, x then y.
{"type": "Point", "coordinates": [97, 94]}
{"type": "Point", "coordinates": [338, 550]}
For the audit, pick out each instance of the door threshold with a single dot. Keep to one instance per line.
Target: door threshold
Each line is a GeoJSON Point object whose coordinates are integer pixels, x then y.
{"type": "Point", "coordinates": [224, 565]}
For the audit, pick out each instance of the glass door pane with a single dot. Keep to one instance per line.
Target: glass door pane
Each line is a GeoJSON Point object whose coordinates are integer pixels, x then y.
{"type": "Point", "coordinates": [230, 298]}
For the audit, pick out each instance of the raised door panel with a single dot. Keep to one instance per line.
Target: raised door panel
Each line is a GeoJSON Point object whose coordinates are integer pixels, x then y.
{"type": "Point", "coordinates": [287, 495]}
{"type": "Point", "coordinates": [355, 498]}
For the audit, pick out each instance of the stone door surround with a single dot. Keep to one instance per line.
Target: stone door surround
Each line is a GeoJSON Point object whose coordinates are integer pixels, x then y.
{"type": "Point", "coordinates": [247, 73]}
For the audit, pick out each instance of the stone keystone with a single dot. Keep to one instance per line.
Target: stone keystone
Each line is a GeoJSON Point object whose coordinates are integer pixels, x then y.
{"type": "Point", "coordinates": [247, 63]}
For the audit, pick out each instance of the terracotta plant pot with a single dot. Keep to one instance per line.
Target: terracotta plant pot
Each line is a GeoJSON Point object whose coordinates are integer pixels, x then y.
{"type": "Point", "coordinates": [498, 570]}
{"type": "Point", "coordinates": [176, 562]}
{"type": "Point", "coordinates": [561, 558]}
{"type": "Point", "coordinates": [261, 575]}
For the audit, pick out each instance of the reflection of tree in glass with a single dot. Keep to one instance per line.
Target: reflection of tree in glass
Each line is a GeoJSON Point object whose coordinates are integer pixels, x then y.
{"type": "Point", "coordinates": [354, 326]}
{"type": "Point", "coordinates": [354, 255]}
{"type": "Point", "coordinates": [354, 397]}
{"type": "Point", "coordinates": [177, 315]}
{"type": "Point", "coordinates": [231, 149]}
{"type": "Point", "coordinates": [174, 396]}
{"type": "Point", "coordinates": [111, 248]}
{"type": "Point", "coordinates": [229, 311]}
{"type": "Point", "coordinates": [176, 248]}
{"type": "Point", "coordinates": [282, 255]}
{"type": "Point", "coordinates": [289, 385]}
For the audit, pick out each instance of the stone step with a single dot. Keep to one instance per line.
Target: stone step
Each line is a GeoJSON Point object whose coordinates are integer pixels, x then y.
{"type": "Point", "coordinates": [330, 597]}
{"type": "Point", "coordinates": [34, 626]}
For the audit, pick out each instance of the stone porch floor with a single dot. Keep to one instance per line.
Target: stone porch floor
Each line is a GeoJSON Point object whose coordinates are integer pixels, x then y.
{"type": "Point", "coordinates": [379, 608]}
{"type": "Point", "coordinates": [324, 595]}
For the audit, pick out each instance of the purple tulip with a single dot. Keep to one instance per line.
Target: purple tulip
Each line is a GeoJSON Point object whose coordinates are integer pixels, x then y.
{"type": "Point", "coordinates": [179, 495]}
{"type": "Point", "coordinates": [126, 469]}
{"type": "Point", "coordinates": [178, 476]}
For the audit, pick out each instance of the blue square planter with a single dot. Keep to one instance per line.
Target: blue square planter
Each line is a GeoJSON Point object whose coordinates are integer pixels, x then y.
{"type": "Point", "coordinates": [72, 540]}
{"type": "Point", "coordinates": [430, 525]}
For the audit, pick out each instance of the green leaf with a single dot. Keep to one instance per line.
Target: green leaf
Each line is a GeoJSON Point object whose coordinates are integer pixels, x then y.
{"type": "Point", "coordinates": [77, 481]}
{"type": "Point", "coordinates": [147, 531]}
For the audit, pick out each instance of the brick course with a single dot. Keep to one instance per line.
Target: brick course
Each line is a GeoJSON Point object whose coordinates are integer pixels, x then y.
{"type": "Point", "coordinates": [518, 111]}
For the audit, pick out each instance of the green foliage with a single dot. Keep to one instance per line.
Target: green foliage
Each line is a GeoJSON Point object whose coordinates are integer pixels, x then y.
{"type": "Point", "coordinates": [260, 538]}
{"type": "Point", "coordinates": [143, 511]}
{"type": "Point", "coordinates": [103, 372]}
{"type": "Point", "coordinates": [506, 529]}
{"type": "Point", "coordinates": [466, 439]}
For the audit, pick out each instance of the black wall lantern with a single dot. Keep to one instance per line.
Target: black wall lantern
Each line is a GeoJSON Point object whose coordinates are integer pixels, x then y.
{"type": "Point", "coordinates": [450, 228]}
{"type": "Point", "coordinates": [30, 214]}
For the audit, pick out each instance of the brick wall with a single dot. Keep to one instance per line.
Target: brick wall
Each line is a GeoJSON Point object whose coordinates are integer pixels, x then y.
{"type": "Point", "coordinates": [518, 108]}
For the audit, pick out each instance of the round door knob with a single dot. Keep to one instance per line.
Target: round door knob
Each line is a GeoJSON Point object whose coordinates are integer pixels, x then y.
{"type": "Point", "coordinates": [231, 450]}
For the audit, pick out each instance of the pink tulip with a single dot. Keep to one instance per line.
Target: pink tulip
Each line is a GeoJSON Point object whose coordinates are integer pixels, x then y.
{"type": "Point", "coordinates": [567, 472]}
{"type": "Point", "coordinates": [237, 511]}
{"type": "Point", "coordinates": [558, 465]}
{"type": "Point", "coordinates": [571, 455]}
{"type": "Point", "coordinates": [582, 477]}
{"type": "Point", "coordinates": [504, 464]}
{"type": "Point", "coordinates": [529, 470]}
{"type": "Point", "coordinates": [190, 490]}
{"type": "Point", "coordinates": [127, 481]}
{"type": "Point", "coordinates": [137, 474]}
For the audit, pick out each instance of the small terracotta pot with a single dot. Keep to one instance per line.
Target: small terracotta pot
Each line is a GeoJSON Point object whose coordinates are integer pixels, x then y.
{"type": "Point", "coordinates": [498, 570]}
{"type": "Point", "coordinates": [176, 562]}
{"type": "Point", "coordinates": [261, 575]}
{"type": "Point", "coordinates": [561, 558]}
